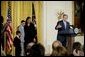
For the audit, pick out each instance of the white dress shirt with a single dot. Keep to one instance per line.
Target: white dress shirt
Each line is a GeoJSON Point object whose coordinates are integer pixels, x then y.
{"type": "Point", "coordinates": [65, 24]}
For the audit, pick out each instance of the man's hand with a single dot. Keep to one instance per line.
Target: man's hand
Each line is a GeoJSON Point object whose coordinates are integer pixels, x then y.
{"type": "Point", "coordinates": [34, 40]}
{"type": "Point", "coordinates": [59, 26]}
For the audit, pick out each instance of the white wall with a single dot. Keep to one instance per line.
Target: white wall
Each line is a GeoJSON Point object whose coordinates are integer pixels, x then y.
{"type": "Point", "coordinates": [49, 19]}
{"type": "Point", "coordinates": [79, 39]}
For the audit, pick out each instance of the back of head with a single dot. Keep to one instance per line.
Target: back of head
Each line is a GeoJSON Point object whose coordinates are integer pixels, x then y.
{"type": "Point", "coordinates": [30, 45]}
{"type": "Point", "coordinates": [37, 50]}
{"type": "Point", "coordinates": [76, 45]}
{"type": "Point", "coordinates": [56, 43]}
{"type": "Point", "coordinates": [26, 22]}
{"type": "Point", "coordinates": [1, 19]}
{"type": "Point", "coordinates": [60, 51]}
{"type": "Point", "coordinates": [18, 32]}
{"type": "Point", "coordinates": [22, 21]}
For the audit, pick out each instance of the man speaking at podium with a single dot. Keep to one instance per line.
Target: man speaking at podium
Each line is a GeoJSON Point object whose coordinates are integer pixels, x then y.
{"type": "Point", "coordinates": [63, 27]}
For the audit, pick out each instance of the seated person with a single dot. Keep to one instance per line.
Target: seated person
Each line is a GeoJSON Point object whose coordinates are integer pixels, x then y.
{"type": "Point", "coordinates": [56, 43]}
{"type": "Point", "coordinates": [28, 48]}
{"type": "Point", "coordinates": [37, 50]}
{"type": "Point", "coordinates": [58, 49]}
{"type": "Point", "coordinates": [77, 51]}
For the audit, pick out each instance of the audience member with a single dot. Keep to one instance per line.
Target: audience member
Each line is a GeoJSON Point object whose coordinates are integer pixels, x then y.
{"type": "Point", "coordinates": [37, 50]}
{"type": "Point", "coordinates": [58, 49]}
{"type": "Point", "coordinates": [56, 43]}
{"type": "Point", "coordinates": [28, 48]}
{"type": "Point", "coordinates": [77, 51]}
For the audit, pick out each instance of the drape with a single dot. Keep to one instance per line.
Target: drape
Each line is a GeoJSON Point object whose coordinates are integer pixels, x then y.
{"type": "Point", "coordinates": [19, 10]}
{"type": "Point", "coordinates": [38, 5]}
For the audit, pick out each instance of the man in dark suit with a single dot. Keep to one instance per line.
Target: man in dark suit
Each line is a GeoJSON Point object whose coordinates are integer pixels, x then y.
{"type": "Point", "coordinates": [64, 26]}
{"type": "Point", "coordinates": [16, 43]}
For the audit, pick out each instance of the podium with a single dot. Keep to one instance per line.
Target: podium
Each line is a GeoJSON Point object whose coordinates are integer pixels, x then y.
{"type": "Point", "coordinates": [70, 39]}
{"type": "Point", "coordinates": [69, 44]}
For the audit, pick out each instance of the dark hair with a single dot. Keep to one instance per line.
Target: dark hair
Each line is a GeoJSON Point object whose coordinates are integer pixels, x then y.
{"type": "Point", "coordinates": [37, 50]}
{"type": "Point", "coordinates": [2, 19]}
{"type": "Point", "coordinates": [22, 21]}
{"type": "Point", "coordinates": [65, 15]}
{"type": "Point", "coordinates": [9, 20]}
{"type": "Point", "coordinates": [26, 20]}
{"type": "Point", "coordinates": [17, 32]}
{"type": "Point", "coordinates": [76, 45]}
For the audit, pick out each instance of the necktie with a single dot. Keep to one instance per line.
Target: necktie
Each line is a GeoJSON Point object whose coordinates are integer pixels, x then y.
{"type": "Point", "coordinates": [65, 24]}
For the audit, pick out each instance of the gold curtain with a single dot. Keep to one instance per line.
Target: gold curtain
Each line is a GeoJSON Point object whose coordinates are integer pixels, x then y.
{"type": "Point", "coordinates": [20, 10]}
{"type": "Point", "coordinates": [38, 13]}
{"type": "Point", "coordinates": [4, 10]}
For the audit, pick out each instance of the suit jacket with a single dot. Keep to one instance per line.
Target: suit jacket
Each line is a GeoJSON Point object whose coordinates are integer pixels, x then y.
{"type": "Point", "coordinates": [61, 37]}
{"type": "Point", "coordinates": [21, 29]}
{"type": "Point", "coordinates": [63, 26]}
{"type": "Point", "coordinates": [30, 33]}
{"type": "Point", "coordinates": [17, 42]}
{"type": "Point", "coordinates": [17, 46]}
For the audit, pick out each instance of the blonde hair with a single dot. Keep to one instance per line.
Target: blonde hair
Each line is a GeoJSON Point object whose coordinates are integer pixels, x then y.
{"type": "Point", "coordinates": [56, 43]}
{"type": "Point", "coordinates": [59, 51]}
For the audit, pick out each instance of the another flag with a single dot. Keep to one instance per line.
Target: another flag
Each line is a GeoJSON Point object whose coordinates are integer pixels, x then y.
{"type": "Point", "coordinates": [33, 14]}
{"type": "Point", "coordinates": [34, 21]}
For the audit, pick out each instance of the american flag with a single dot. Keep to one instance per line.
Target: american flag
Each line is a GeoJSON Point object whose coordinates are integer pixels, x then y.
{"type": "Point", "coordinates": [9, 37]}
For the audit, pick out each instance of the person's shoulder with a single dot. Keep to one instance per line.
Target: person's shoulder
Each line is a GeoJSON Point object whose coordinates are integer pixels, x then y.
{"type": "Point", "coordinates": [20, 26]}
{"type": "Point", "coordinates": [68, 22]}
{"type": "Point", "coordinates": [15, 38]}
{"type": "Point", "coordinates": [60, 21]}
{"type": "Point", "coordinates": [32, 24]}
